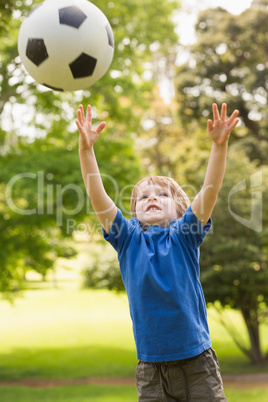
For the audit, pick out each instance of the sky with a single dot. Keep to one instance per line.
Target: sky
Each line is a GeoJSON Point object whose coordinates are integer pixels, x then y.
{"type": "Point", "coordinates": [189, 11]}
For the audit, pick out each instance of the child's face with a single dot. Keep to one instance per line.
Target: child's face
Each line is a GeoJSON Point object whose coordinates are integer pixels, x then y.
{"type": "Point", "coordinates": [155, 205]}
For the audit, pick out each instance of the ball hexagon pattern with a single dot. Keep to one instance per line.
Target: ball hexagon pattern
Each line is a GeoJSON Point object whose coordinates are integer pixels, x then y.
{"type": "Point", "coordinates": [66, 45]}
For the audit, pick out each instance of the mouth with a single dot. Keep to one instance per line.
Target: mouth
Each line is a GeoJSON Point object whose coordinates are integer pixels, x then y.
{"type": "Point", "coordinates": [153, 207]}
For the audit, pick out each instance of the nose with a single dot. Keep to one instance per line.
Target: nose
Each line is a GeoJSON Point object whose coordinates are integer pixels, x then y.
{"type": "Point", "coordinates": [152, 197]}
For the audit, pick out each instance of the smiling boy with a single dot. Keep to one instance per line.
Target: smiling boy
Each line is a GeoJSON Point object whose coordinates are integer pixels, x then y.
{"type": "Point", "coordinates": [155, 204]}
{"type": "Point", "coordinates": [158, 252]}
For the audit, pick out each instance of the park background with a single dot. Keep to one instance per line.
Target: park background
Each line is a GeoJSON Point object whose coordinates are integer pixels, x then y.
{"type": "Point", "coordinates": [64, 312]}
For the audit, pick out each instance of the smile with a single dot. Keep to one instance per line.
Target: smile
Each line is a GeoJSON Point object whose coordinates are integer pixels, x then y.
{"type": "Point", "coordinates": [153, 208]}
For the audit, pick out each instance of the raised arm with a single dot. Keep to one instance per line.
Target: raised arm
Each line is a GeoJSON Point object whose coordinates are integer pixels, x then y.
{"type": "Point", "coordinates": [219, 131]}
{"type": "Point", "coordinates": [103, 205]}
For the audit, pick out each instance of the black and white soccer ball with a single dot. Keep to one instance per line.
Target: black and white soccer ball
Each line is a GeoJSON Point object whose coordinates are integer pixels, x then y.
{"type": "Point", "coordinates": [66, 45]}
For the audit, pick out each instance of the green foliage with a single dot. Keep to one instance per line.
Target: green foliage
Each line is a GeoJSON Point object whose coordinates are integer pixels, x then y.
{"type": "Point", "coordinates": [234, 257]}
{"type": "Point", "coordinates": [6, 9]}
{"type": "Point", "coordinates": [226, 65]}
{"type": "Point", "coordinates": [39, 165]}
{"type": "Point", "coordinates": [102, 271]}
{"type": "Point", "coordinates": [105, 276]}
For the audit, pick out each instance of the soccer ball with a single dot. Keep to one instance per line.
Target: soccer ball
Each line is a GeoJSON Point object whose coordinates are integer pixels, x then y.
{"type": "Point", "coordinates": [66, 45]}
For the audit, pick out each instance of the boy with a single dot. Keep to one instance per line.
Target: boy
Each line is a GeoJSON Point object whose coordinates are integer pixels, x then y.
{"type": "Point", "coordinates": [158, 251]}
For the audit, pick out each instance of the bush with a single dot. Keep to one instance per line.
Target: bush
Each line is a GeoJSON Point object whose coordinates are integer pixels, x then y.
{"type": "Point", "coordinates": [103, 275]}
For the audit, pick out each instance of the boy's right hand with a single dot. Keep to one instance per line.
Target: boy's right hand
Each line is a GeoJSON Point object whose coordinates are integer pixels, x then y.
{"type": "Point", "coordinates": [88, 136]}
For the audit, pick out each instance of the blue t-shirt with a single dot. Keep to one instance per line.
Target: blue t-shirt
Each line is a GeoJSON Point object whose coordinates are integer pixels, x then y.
{"type": "Point", "coordinates": [160, 271]}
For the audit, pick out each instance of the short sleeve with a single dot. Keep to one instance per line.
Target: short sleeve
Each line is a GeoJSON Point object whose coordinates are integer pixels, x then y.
{"type": "Point", "coordinates": [191, 229]}
{"type": "Point", "coordinates": [118, 232]}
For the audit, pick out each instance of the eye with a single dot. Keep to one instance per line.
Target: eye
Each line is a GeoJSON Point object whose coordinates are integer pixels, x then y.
{"type": "Point", "coordinates": [163, 195]}
{"type": "Point", "coordinates": [143, 197]}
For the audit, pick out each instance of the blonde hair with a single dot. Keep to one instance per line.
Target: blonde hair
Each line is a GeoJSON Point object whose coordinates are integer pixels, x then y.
{"type": "Point", "coordinates": [179, 196]}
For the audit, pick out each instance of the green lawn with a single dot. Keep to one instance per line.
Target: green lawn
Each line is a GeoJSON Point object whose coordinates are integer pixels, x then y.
{"type": "Point", "coordinates": [66, 334]}
{"type": "Point", "coordinates": [70, 394]}
{"type": "Point", "coordinates": [90, 393]}
{"type": "Point", "coordinates": [231, 359]}
{"type": "Point", "coordinates": [69, 333]}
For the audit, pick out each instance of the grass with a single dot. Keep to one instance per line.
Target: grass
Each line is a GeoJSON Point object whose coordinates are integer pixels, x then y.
{"type": "Point", "coordinates": [67, 333]}
{"type": "Point", "coordinates": [249, 395]}
{"type": "Point", "coordinates": [70, 394]}
{"type": "Point", "coordinates": [232, 360]}
{"type": "Point", "coordinates": [91, 393]}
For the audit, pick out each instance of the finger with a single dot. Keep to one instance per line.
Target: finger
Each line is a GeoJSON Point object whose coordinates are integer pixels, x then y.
{"type": "Point", "coordinates": [210, 125]}
{"type": "Point", "coordinates": [79, 116]}
{"type": "Point", "coordinates": [216, 115]}
{"type": "Point", "coordinates": [232, 126]}
{"type": "Point", "coordinates": [77, 122]}
{"type": "Point", "coordinates": [89, 114]}
{"type": "Point", "coordinates": [232, 117]}
{"type": "Point", "coordinates": [223, 111]}
{"type": "Point", "coordinates": [82, 113]}
{"type": "Point", "coordinates": [100, 127]}
{"type": "Point", "coordinates": [79, 126]}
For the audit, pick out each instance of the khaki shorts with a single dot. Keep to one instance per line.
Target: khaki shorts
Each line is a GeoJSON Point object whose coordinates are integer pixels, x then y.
{"type": "Point", "coordinates": [194, 379]}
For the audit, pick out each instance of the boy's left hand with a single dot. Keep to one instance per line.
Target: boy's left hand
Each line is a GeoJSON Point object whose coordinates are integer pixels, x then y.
{"type": "Point", "coordinates": [219, 130]}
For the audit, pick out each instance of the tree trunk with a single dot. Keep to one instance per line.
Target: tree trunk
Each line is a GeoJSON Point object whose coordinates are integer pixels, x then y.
{"type": "Point", "coordinates": [252, 323]}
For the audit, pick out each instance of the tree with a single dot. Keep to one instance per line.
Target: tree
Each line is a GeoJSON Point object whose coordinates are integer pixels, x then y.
{"type": "Point", "coordinates": [226, 65]}
{"type": "Point", "coordinates": [259, 5]}
{"type": "Point", "coordinates": [234, 257]}
{"type": "Point", "coordinates": [6, 10]}
{"type": "Point", "coordinates": [234, 264]}
{"type": "Point", "coordinates": [39, 160]}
